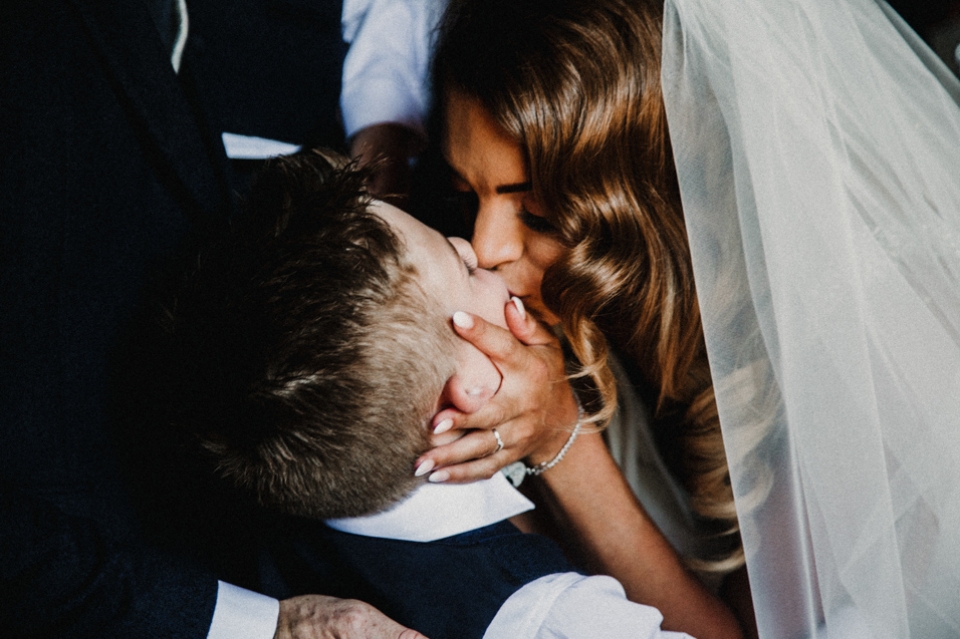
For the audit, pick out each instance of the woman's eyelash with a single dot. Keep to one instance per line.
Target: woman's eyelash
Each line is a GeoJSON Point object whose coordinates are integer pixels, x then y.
{"type": "Point", "coordinates": [536, 223]}
{"type": "Point", "coordinates": [468, 204]}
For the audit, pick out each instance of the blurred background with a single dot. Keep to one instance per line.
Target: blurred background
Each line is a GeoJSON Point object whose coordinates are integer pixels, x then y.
{"type": "Point", "coordinates": [937, 22]}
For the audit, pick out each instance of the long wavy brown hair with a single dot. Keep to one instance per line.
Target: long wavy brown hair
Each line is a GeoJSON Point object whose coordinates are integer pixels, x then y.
{"type": "Point", "coordinates": [577, 84]}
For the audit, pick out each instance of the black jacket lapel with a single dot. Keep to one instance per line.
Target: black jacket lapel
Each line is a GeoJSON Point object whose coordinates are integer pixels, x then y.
{"type": "Point", "coordinates": [125, 34]}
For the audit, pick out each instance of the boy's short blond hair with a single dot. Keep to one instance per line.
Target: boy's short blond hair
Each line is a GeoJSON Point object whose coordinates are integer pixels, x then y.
{"type": "Point", "coordinates": [312, 359]}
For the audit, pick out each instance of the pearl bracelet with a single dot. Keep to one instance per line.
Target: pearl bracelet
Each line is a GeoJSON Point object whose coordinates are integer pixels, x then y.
{"type": "Point", "coordinates": [517, 471]}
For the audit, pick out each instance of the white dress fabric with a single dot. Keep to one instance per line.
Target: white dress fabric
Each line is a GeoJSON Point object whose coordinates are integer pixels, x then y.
{"type": "Point", "coordinates": [629, 437]}
{"type": "Point", "coordinates": [818, 148]}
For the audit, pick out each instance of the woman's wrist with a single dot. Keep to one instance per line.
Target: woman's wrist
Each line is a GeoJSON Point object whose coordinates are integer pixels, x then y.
{"type": "Point", "coordinates": [542, 467]}
{"type": "Point", "coordinates": [567, 426]}
{"type": "Point", "coordinates": [517, 471]}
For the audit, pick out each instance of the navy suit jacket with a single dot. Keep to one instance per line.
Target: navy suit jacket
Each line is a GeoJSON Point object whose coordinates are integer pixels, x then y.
{"type": "Point", "coordinates": [450, 588]}
{"type": "Point", "coordinates": [108, 161]}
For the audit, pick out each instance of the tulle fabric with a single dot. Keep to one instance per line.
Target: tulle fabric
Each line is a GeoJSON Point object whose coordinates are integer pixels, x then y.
{"type": "Point", "coordinates": [818, 148]}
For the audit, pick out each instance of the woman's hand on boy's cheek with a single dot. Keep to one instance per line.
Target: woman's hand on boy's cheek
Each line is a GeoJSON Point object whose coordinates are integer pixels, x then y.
{"type": "Point", "coordinates": [532, 411]}
{"type": "Point", "coordinates": [449, 445]}
{"type": "Point", "coordinates": [473, 455]}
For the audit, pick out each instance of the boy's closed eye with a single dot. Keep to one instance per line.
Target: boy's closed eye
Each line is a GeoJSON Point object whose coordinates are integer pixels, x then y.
{"type": "Point", "coordinates": [464, 253]}
{"type": "Point", "coordinates": [470, 261]}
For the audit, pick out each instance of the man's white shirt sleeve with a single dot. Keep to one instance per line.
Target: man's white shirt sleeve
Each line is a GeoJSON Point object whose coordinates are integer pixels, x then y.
{"type": "Point", "coordinates": [572, 606]}
{"type": "Point", "coordinates": [243, 614]}
{"type": "Point", "coordinates": [386, 71]}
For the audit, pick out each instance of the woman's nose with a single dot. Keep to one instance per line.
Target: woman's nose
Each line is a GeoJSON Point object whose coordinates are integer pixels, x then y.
{"type": "Point", "coordinates": [497, 236]}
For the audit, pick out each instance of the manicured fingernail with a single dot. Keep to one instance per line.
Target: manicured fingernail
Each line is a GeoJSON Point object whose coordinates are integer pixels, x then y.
{"type": "Point", "coordinates": [443, 427]}
{"type": "Point", "coordinates": [439, 477]}
{"type": "Point", "coordinates": [519, 304]}
{"type": "Point", "coordinates": [462, 320]}
{"type": "Point", "coordinates": [424, 468]}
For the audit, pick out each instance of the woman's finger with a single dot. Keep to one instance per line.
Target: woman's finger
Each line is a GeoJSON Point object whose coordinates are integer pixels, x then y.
{"type": "Point", "coordinates": [495, 342]}
{"type": "Point", "coordinates": [537, 361]}
{"type": "Point", "coordinates": [493, 413]}
{"type": "Point", "coordinates": [525, 327]}
{"type": "Point", "coordinates": [473, 469]}
{"type": "Point", "coordinates": [477, 445]}
{"type": "Point", "coordinates": [468, 445]}
{"type": "Point", "coordinates": [476, 470]}
{"type": "Point", "coordinates": [446, 420]}
{"type": "Point", "coordinates": [447, 437]}
{"type": "Point", "coordinates": [498, 343]}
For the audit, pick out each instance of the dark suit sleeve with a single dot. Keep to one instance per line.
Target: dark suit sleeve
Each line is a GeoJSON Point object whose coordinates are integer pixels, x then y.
{"type": "Point", "coordinates": [85, 209]}
{"type": "Point", "coordinates": [61, 577]}
{"type": "Point", "coordinates": [109, 161]}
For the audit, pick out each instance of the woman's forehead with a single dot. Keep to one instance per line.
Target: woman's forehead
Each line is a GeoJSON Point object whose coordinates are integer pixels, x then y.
{"type": "Point", "coordinates": [475, 145]}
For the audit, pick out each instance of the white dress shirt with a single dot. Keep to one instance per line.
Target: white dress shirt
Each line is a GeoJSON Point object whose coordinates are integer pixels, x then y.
{"type": "Point", "coordinates": [385, 72]}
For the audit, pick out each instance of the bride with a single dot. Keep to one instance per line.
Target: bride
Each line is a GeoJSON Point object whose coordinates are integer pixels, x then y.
{"type": "Point", "coordinates": [815, 147]}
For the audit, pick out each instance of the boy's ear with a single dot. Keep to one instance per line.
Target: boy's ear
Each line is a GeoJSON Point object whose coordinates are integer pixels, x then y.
{"type": "Point", "coordinates": [466, 396]}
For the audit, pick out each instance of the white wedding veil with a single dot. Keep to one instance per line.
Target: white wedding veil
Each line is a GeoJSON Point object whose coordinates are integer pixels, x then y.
{"type": "Point", "coordinates": [817, 144]}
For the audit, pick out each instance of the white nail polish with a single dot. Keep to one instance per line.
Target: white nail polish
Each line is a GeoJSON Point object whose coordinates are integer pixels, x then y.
{"type": "Point", "coordinates": [424, 468]}
{"type": "Point", "coordinates": [439, 477]}
{"type": "Point", "coordinates": [443, 427]}
{"type": "Point", "coordinates": [462, 320]}
{"type": "Point", "coordinates": [519, 304]}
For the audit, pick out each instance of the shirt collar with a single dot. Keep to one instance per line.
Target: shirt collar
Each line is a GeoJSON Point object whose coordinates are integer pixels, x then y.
{"type": "Point", "coordinates": [435, 511]}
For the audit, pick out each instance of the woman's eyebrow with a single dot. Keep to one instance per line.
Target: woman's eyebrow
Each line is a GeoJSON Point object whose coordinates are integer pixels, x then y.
{"type": "Point", "coordinates": [517, 187]}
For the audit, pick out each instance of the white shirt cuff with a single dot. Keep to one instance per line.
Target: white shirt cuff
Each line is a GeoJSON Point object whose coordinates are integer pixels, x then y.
{"type": "Point", "coordinates": [379, 101]}
{"type": "Point", "coordinates": [243, 614]}
{"type": "Point", "coordinates": [573, 606]}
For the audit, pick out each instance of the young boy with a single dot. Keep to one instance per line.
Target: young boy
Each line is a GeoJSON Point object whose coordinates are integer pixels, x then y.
{"type": "Point", "coordinates": [314, 346]}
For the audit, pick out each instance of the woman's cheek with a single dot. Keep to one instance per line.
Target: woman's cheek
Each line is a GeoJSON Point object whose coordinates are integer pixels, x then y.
{"type": "Point", "coordinates": [545, 253]}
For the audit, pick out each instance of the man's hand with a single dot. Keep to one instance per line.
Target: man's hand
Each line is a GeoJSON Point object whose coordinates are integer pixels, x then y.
{"type": "Point", "coordinates": [387, 148]}
{"type": "Point", "coordinates": [320, 617]}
